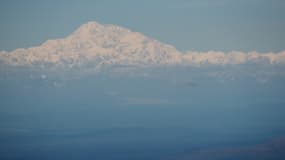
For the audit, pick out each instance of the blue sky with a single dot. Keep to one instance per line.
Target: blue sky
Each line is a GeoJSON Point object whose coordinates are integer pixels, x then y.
{"type": "Point", "coordinates": [200, 25]}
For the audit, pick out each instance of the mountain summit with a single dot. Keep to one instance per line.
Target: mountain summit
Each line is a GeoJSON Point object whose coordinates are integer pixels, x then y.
{"type": "Point", "coordinates": [98, 46]}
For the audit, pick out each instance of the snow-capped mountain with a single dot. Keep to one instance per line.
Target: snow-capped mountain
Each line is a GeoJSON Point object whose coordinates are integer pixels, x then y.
{"type": "Point", "coordinates": [98, 45]}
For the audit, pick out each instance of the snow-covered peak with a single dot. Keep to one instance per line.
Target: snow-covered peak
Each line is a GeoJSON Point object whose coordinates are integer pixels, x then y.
{"type": "Point", "coordinates": [90, 29]}
{"type": "Point", "coordinates": [98, 46]}
{"type": "Point", "coordinates": [93, 27]}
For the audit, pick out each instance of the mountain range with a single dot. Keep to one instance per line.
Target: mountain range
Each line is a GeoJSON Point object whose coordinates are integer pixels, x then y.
{"type": "Point", "coordinates": [99, 46]}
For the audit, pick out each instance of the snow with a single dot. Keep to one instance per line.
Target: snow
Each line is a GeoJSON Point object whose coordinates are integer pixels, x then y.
{"type": "Point", "coordinates": [105, 45]}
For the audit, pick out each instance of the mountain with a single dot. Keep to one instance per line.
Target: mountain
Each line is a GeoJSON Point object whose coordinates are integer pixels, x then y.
{"type": "Point", "coordinates": [98, 46]}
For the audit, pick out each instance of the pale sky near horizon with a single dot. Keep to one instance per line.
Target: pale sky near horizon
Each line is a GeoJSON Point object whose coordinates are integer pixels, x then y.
{"type": "Point", "coordinates": [200, 25]}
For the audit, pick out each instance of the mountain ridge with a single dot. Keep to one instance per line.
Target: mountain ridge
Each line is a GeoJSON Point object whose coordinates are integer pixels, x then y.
{"type": "Point", "coordinates": [103, 45]}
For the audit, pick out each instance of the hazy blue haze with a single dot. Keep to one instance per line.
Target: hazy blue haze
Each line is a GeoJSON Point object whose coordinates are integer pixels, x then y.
{"type": "Point", "coordinates": [110, 117]}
